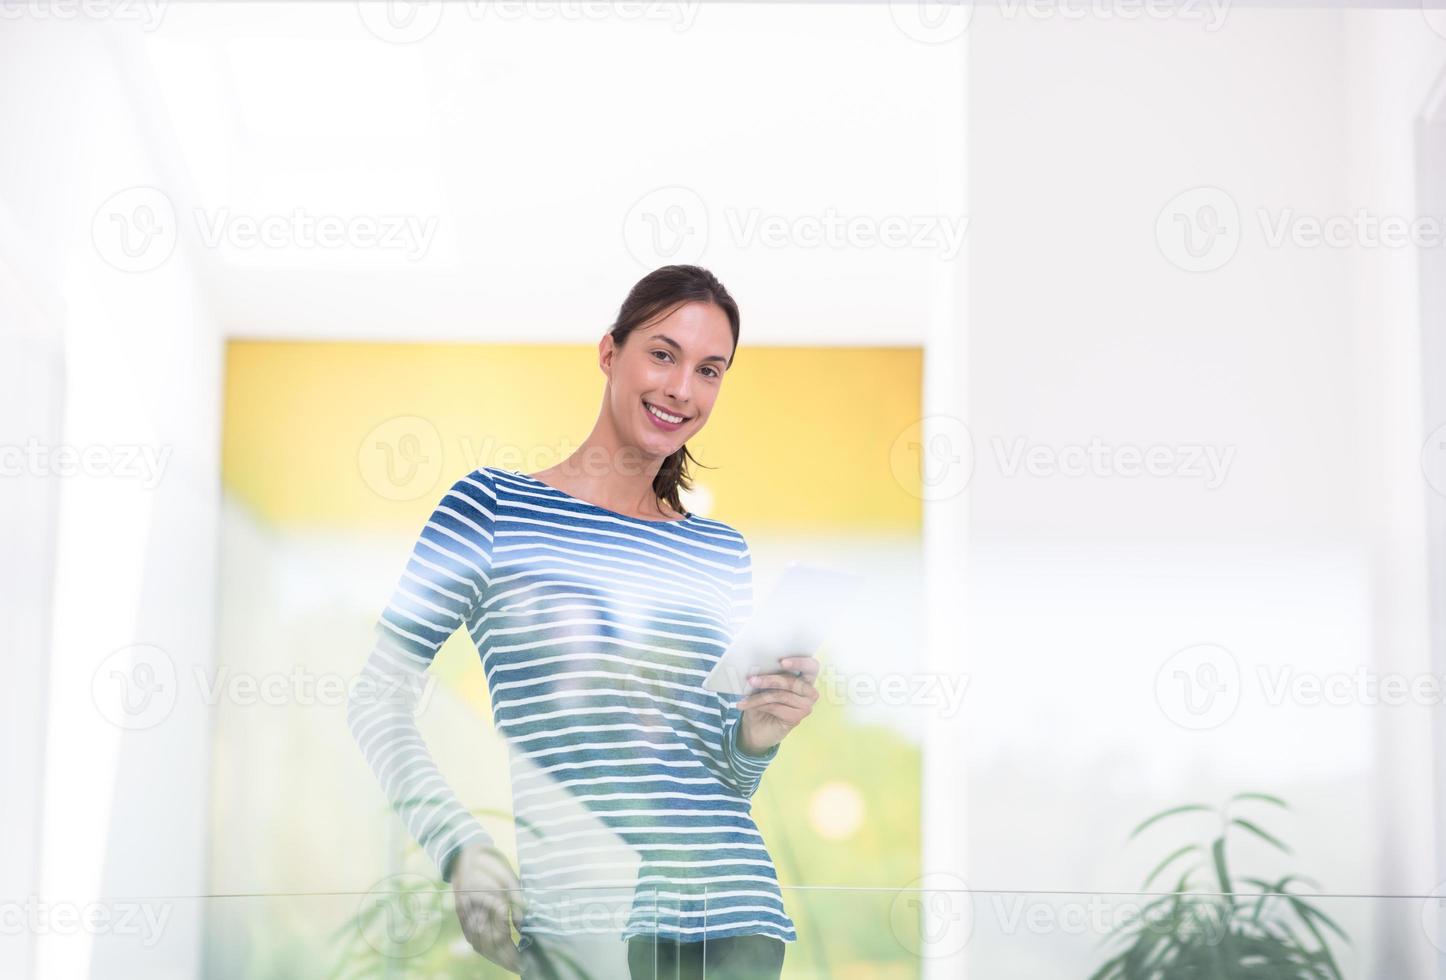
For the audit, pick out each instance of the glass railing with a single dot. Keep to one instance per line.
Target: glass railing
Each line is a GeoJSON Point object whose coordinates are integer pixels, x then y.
{"type": "Point", "coordinates": [407, 925]}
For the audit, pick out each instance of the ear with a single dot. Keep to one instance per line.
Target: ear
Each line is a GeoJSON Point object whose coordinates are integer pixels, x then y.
{"type": "Point", "coordinates": [606, 350]}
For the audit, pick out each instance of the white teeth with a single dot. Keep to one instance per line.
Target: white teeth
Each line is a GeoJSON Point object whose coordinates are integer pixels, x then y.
{"type": "Point", "coordinates": [675, 419]}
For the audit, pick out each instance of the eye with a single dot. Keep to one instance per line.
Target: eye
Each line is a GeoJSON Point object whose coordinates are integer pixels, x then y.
{"type": "Point", "coordinates": [712, 372]}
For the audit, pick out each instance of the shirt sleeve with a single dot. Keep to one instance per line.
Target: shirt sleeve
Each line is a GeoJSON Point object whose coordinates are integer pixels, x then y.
{"type": "Point", "coordinates": [440, 588]}
{"type": "Point", "coordinates": [744, 770]}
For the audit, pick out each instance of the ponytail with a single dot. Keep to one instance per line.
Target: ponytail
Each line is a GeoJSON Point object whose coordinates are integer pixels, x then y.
{"type": "Point", "coordinates": [657, 294]}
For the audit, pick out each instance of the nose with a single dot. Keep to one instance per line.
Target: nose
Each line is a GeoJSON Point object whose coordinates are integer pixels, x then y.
{"type": "Point", "coordinates": [680, 381]}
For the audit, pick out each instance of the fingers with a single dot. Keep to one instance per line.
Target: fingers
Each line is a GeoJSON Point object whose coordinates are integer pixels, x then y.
{"type": "Point", "coordinates": [493, 863]}
{"type": "Point", "coordinates": [497, 933]}
{"type": "Point", "coordinates": [785, 705]}
{"type": "Point", "coordinates": [487, 927]}
{"type": "Point", "coordinates": [808, 667]}
{"type": "Point", "coordinates": [517, 903]}
{"type": "Point", "coordinates": [505, 952]}
{"type": "Point", "coordinates": [477, 912]}
{"type": "Point", "coordinates": [489, 900]}
{"type": "Point", "coordinates": [798, 673]}
{"type": "Point", "coordinates": [776, 696]}
{"type": "Point", "coordinates": [486, 869]}
{"type": "Point", "coordinates": [767, 683]}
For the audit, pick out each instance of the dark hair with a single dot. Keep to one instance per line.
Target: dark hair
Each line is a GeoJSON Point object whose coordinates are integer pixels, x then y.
{"type": "Point", "coordinates": [656, 295]}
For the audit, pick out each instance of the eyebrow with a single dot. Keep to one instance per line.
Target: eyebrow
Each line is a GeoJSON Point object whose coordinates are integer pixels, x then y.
{"type": "Point", "coordinates": [678, 347]}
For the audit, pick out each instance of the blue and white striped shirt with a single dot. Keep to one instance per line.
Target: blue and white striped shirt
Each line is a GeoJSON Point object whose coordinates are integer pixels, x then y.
{"type": "Point", "coordinates": [595, 630]}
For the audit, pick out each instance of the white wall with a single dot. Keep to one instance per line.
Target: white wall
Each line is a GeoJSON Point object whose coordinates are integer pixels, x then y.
{"type": "Point", "coordinates": [30, 391]}
{"type": "Point", "coordinates": [1297, 360]}
{"type": "Point", "coordinates": [1302, 363]}
{"type": "Point", "coordinates": [549, 149]}
{"type": "Point", "coordinates": [253, 108]}
{"type": "Point", "coordinates": [1394, 68]}
{"type": "Point", "coordinates": [121, 804]}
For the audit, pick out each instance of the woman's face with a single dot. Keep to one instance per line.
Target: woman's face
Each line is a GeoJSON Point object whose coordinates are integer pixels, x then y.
{"type": "Point", "coordinates": [675, 365]}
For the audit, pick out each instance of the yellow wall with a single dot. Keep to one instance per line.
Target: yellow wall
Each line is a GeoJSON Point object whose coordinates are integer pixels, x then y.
{"type": "Point", "coordinates": [363, 435]}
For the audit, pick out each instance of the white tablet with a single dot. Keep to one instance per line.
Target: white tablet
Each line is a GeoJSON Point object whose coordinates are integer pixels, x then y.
{"type": "Point", "coordinates": [795, 619]}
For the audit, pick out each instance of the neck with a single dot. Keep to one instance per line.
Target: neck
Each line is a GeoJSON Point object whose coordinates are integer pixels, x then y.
{"type": "Point", "coordinates": [617, 476]}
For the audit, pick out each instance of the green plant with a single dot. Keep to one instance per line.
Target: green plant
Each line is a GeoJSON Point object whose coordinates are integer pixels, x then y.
{"type": "Point", "coordinates": [1235, 932]}
{"type": "Point", "coordinates": [411, 899]}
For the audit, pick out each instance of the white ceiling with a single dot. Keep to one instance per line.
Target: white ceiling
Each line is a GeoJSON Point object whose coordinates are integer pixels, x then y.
{"type": "Point", "coordinates": [525, 161]}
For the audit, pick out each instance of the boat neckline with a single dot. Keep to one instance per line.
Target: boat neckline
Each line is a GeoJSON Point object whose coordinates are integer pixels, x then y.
{"type": "Point", "coordinates": [627, 517]}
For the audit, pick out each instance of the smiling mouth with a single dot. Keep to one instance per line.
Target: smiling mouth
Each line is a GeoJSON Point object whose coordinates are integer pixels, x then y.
{"type": "Point", "coordinates": [666, 418]}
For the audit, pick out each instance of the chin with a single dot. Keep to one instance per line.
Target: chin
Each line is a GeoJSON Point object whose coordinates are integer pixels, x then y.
{"type": "Point", "coordinates": [664, 449]}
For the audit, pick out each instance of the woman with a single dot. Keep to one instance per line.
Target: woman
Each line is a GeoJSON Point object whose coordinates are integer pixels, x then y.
{"type": "Point", "coordinates": [598, 605]}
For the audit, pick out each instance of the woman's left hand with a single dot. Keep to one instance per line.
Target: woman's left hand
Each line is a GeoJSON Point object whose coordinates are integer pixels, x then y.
{"type": "Point", "coordinates": [783, 699]}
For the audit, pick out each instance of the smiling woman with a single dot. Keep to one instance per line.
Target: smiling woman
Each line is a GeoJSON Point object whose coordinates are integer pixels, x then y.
{"type": "Point", "coordinates": [598, 605]}
{"type": "Point", "coordinates": [665, 357]}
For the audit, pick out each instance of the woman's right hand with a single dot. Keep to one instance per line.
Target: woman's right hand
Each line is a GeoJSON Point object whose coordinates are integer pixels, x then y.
{"type": "Point", "coordinates": [488, 899]}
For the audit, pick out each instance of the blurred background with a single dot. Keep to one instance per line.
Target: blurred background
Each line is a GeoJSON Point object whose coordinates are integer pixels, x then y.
{"type": "Point", "coordinates": [1108, 338]}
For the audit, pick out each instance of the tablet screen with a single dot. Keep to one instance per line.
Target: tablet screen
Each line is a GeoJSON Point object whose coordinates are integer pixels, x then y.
{"type": "Point", "coordinates": [797, 617]}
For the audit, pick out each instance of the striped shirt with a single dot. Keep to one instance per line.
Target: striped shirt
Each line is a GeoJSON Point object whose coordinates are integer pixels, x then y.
{"type": "Point", "coordinates": [595, 629]}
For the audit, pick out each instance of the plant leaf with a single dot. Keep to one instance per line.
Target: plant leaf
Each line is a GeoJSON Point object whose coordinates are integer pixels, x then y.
{"type": "Point", "coordinates": [1217, 851]}
{"type": "Point", "coordinates": [1268, 838]}
{"type": "Point", "coordinates": [1304, 911]}
{"type": "Point", "coordinates": [1187, 808]}
{"type": "Point", "coordinates": [1266, 797]}
{"type": "Point", "coordinates": [1108, 970]}
{"type": "Point", "coordinates": [1311, 910]}
{"type": "Point", "coordinates": [1166, 863]}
